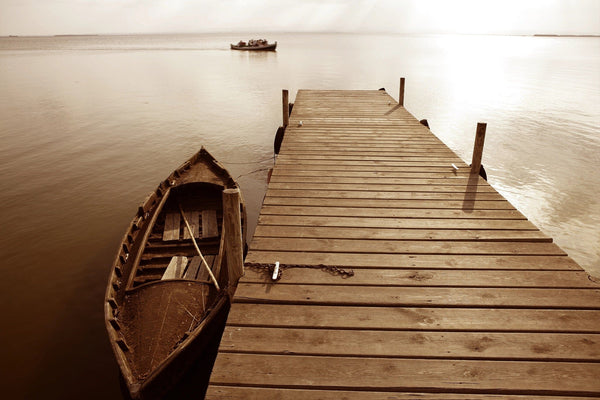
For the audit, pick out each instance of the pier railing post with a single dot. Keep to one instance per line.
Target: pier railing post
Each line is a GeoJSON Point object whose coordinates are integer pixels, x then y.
{"type": "Point", "coordinates": [478, 147]}
{"type": "Point", "coordinates": [285, 107]}
{"type": "Point", "coordinates": [232, 224]}
{"type": "Point", "coordinates": [401, 96]}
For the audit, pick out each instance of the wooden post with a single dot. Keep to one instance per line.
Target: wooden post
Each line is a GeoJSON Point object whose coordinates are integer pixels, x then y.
{"type": "Point", "coordinates": [232, 223]}
{"type": "Point", "coordinates": [401, 96]}
{"type": "Point", "coordinates": [478, 148]}
{"type": "Point", "coordinates": [286, 108]}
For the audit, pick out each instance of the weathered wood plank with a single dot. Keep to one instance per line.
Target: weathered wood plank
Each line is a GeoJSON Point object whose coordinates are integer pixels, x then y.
{"type": "Point", "coordinates": [176, 268]}
{"type": "Point", "coordinates": [460, 181]}
{"type": "Point", "coordinates": [401, 152]}
{"type": "Point", "coordinates": [193, 267]}
{"type": "Point", "coordinates": [193, 218]}
{"type": "Point", "coordinates": [405, 247]}
{"type": "Point", "coordinates": [425, 160]}
{"type": "Point", "coordinates": [284, 160]}
{"type": "Point", "coordinates": [430, 278]}
{"type": "Point", "coordinates": [407, 374]}
{"type": "Point", "coordinates": [443, 173]}
{"type": "Point", "coordinates": [203, 274]}
{"type": "Point", "coordinates": [365, 194]}
{"type": "Point", "coordinates": [210, 227]}
{"type": "Point", "coordinates": [418, 296]}
{"type": "Point", "coordinates": [318, 141]}
{"type": "Point", "coordinates": [217, 392]}
{"type": "Point", "coordinates": [171, 229]}
{"type": "Point", "coordinates": [317, 232]}
{"type": "Point", "coordinates": [413, 261]}
{"type": "Point", "coordinates": [397, 223]}
{"type": "Point", "coordinates": [410, 344]}
{"type": "Point", "coordinates": [387, 203]}
{"type": "Point", "coordinates": [383, 188]}
{"type": "Point", "coordinates": [333, 211]}
{"type": "Point", "coordinates": [416, 318]}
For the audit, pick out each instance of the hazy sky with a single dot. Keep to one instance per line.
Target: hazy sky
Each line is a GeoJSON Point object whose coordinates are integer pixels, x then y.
{"type": "Point", "coordinates": [48, 17]}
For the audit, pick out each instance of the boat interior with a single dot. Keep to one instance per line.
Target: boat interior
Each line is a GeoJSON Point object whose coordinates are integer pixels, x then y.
{"type": "Point", "coordinates": [169, 251]}
{"type": "Point", "coordinates": [170, 291]}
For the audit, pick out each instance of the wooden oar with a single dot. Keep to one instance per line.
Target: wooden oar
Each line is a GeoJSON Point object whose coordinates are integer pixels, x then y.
{"type": "Point", "coordinates": [189, 228]}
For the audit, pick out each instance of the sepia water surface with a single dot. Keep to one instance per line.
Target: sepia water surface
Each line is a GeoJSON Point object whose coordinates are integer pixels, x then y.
{"type": "Point", "coordinates": [90, 125]}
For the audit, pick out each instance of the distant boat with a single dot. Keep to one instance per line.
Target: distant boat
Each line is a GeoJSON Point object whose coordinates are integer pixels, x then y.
{"type": "Point", "coordinates": [255, 45]}
{"type": "Point", "coordinates": [161, 308]}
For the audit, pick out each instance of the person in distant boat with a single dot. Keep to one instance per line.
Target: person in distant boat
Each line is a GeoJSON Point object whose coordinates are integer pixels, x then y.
{"type": "Point", "coordinates": [241, 43]}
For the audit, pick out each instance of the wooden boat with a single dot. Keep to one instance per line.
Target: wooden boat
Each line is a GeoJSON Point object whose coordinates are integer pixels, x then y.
{"type": "Point", "coordinates": [161, 303]}
{"type": "Point", "coordinates": [255, 47]}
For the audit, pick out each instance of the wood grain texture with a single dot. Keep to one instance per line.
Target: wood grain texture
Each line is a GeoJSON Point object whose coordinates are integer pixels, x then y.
{"type": "Point", "coordinates": [193, 218]}
{"type": "Point", "coordinates": [416, 261]}
{"type": "Point", "coordinates": [415, 318]}
{"type": "Point", "coordinates": [388, 203]}
{"type": "Point", "coordinates": [256, 393]}
{"type": "Point", "coordinates": [429, 278]}
{"type": "Point", "coordinates": [325, 232]}
{"type": "Point", "coordinates": [176, 268]}
{"type": "Point", "coordinates": [391, 374]}
{"type": "Point", "coordinates": [411, 344]}
{"type": "Point", "coordinates": [406, 246]}
{"type": "Point", "coordinates": [210, 226]}
{"type": "Point", "coordinates": [172, 224]}
{"type": "Point", "coordinates": [418, 296]}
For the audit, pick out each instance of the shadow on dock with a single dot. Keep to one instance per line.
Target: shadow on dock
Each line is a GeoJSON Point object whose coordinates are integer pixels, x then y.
{"type": "Point", "coordinates": [470, 193]}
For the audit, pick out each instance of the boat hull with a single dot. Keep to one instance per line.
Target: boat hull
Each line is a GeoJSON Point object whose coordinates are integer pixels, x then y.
{"type": "Point", "coordinates": [159, 323]}
{"type": "Point", "coordinates": [194, 356]}
{"type": "Point", "coordinates": [268, 47]}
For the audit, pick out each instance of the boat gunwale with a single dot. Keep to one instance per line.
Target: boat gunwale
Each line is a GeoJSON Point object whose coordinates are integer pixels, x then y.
{"type": "Point", "coordinates": [144, 241]}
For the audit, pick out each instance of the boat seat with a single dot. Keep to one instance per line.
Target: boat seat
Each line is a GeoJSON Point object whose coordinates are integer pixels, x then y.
{"type": "Point", "coordinates": [172, 222]}
{"type": "Point", "coordinates": [176, 268]}
{"type": "Point", "coordinates": [193, 268]}
{"type": "Point", "coordinates": [202, 272]}
{"type": "Point", "coordinates": [198, 272]}
{"type": "Point", "coordinates": [210, 227]}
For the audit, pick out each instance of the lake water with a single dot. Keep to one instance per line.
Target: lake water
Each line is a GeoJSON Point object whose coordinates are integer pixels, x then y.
{"type": "Point", "coordinates": [90, 125]}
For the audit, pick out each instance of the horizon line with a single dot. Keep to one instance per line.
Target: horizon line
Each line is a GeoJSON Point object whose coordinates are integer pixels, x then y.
{"type": "Point", "coordinates": [538, 34]}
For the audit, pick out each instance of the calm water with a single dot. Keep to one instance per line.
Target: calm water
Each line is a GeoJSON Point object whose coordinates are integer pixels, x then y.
{"type": "Point", "coordinates": [90, 125]}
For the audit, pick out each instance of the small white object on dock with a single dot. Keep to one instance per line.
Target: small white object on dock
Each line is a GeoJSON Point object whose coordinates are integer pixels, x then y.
{"type": "Point", "coordinates": [300, 123]}
{"type": "Point", "coordinates": [455, 167]}
{"type": "Point", "coordinates": [275, 271]}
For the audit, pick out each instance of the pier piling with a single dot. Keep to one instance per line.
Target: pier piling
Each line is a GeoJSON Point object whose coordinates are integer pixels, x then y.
{"type": "Point", "coordinates": [478, 147]}
{"type": "Point", "coordinates": [285, 107]}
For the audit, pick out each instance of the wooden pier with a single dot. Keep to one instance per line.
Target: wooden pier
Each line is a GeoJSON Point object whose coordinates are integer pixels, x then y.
{"type": "Point", "coordinates": [455, 294]}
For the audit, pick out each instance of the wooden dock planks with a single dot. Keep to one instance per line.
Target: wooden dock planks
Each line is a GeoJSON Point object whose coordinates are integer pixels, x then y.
{"type": "Point", "coordinates": [455, 294]}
